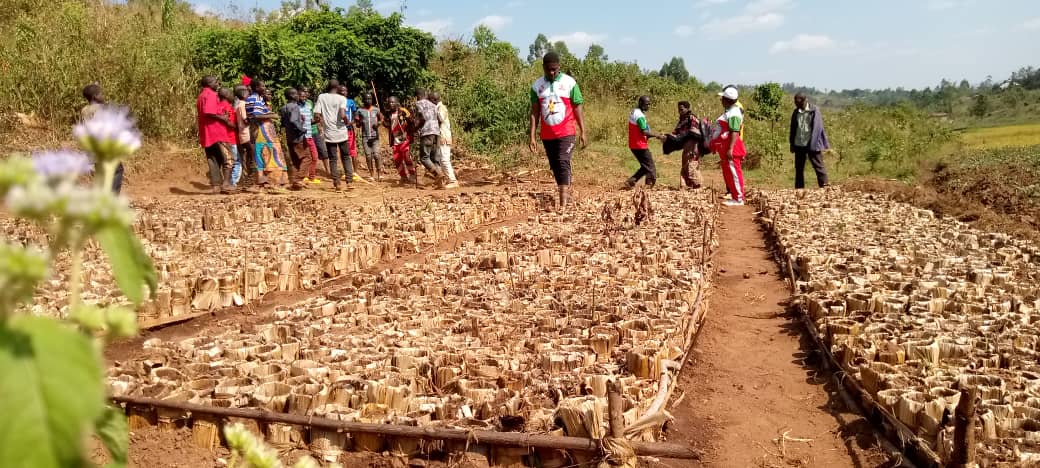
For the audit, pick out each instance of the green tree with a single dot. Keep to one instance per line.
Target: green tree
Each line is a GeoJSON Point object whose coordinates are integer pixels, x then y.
{"type": "Point", "coordinates": [538, 48]}
{"type": "Point", "coordinates": [313, 46]}
{"type": "Point", "coordinates": [772, 141]}
{"type": "Point", "coordinates": [981, 106]}
{"type": "Point", "coordinates": [362, 6]}
{"type": "Point", "coordinates": [596, 54]}
{"type": "Point", "coordinates": [1027, 77]}
{"type": "Point", "coordinates": [560, 48]}
{"type": "Point", "coordinates": [676, 70]}
{"type": "Point", "coordinates": [483, 36]}
{"type": "Point", "coordinates": [768, 97]}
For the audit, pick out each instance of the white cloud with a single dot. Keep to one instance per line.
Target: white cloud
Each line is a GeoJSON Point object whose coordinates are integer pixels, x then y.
{"type": "Point", "coordinates": [386, 7]}
{"type": "Point", "coordinates": [684, 30]}
{"type": "Point", "coordinates": [1031, 24]}
{"type": "Point", "coordinates": [757, 15]}
{"type": "Point", "coordinates": [803, 43]}
{"type": "Point", "coordinates": [733, 26]}
{"type": "Point", "coordinates": [203, 9]}
{"type": "Point", "coordinates": [495, 22]}
{"type": "Point", "coordinates": [940, 5]}
{"type": "Point", "coordinates": [578, 40]}
{"type": "Point", "coordinates": [437, 27]}
{"type": "Point", "coordinates": [627, 40]}
{"type": "Point", "coordinates": [759, 7]}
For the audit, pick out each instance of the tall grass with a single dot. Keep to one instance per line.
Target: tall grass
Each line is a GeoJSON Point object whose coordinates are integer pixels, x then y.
{"type": "Point", "coordinates": [54, 48]}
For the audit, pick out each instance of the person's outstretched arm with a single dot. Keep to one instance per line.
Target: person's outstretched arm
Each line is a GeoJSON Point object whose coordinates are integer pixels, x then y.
{"type": "Point", "coordinates": [536, 113]}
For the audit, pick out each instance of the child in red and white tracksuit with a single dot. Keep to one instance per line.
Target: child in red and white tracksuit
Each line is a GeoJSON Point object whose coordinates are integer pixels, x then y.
{"type": "Point", "coordinates": [727, 142]}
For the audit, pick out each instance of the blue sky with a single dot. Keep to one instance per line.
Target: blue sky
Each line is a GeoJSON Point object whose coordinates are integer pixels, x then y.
{"type": "Point", "coordinates": [830, 44]}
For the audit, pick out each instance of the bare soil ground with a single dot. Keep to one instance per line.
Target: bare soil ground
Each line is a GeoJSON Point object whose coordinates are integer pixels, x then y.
{"type": "Point", "coordinates": [750, 396]}
{"type": "Point", "coordinates": [754, 396]}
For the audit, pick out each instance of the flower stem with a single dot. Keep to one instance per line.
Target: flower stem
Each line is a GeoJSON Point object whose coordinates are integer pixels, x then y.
{"type": "Point", "coordinates": [108, 174]}
{"type": "Point", "coordinates": [75, 271]}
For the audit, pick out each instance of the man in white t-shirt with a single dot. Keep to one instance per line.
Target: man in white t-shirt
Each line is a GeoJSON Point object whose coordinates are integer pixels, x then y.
{"type": "Point", "coordinates": [330, 111]}
{"type": "Point", "coordinates": [445, 125]}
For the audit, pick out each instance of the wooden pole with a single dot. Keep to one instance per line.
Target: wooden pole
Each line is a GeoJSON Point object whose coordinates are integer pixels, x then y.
{"type": "Point", "coordinates": [790, 274]}
{"type": "Point", "coordinates": [502, 439]}
{"type": "Point", "coordinates": [375, 95]}
{"type": "Point", "coordinates": [614, 410]}
{"type": "Point", "coordinates": [964, 430]}
{"type": "Point", "coordinates": [697, 320]}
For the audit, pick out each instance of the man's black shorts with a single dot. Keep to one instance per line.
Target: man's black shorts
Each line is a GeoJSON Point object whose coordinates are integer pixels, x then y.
{"type": "Point", "coordinates": [559, 153]}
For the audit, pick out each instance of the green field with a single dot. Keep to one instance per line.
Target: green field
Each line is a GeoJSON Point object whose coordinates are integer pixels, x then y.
{"type": "Point", "coordinates": [1002, 137]}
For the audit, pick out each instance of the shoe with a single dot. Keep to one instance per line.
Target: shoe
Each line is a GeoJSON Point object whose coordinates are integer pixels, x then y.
{"type": "Point", "coordinates": [451, 185]}
{"type": "Point", "coordinates": [315, 181]}
{"type": "Point", "coordinates": [733, 203]}
{"type": "Point", "coordinates": [356, 178]}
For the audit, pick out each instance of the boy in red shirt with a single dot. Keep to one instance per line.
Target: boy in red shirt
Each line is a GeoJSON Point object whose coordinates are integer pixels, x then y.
{"type": "Point", "coordinates": [638, 134]}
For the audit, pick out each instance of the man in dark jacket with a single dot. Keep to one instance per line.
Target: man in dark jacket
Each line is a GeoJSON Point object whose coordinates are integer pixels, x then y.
{"type": "Point", "coordinates": [300, 161]}
{"type": "Point", "coordinates": [808, 141]}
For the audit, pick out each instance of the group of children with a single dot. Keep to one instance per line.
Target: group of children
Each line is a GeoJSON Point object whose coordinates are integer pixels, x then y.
{"type": "Point", "coordinates": [238, 132]}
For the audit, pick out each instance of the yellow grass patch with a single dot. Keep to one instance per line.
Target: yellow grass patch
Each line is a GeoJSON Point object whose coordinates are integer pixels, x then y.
{"type": "Point", "coordinates": [1003, 137]}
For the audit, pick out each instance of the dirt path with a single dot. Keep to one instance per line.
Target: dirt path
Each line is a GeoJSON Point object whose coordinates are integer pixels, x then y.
{"type": "Point", "coordinates": [752, 378]}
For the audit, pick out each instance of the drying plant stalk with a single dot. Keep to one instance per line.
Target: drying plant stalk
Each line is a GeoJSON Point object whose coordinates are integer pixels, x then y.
{"type": "Point", "coordinates": [964, 429]}
{"type": "Point", "coordinates": [615, 410]}
{"type": "Point", "coordinates": [494, 438]}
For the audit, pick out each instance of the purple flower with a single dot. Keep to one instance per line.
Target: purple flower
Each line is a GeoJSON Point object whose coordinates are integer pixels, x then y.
{"type": "Point", "coordinates": [109, 134]}
{"type": "Point", "coordinates": [62, 163]}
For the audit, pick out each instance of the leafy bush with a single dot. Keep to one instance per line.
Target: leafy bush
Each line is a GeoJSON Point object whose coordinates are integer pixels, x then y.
{"type": "Point", "coordinates": [51, 374]}
{"type": "Point", "coordinates": [485, 84]}
{"type": "Point", "coordinates": [358, 48]}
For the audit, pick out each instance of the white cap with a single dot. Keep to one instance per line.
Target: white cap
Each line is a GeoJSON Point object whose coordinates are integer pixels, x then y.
{"type": "Point", "coordinates": [730, 93]}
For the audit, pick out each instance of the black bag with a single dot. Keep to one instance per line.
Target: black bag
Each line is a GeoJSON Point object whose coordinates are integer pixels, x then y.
{"type": "Point", "coordinates": [702, 145]}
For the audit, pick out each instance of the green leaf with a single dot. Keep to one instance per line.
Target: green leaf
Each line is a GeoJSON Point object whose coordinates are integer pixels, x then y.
{"type": "Point", "coordinates": [131, 266]}
{"type": "Point", "coordinates": [51, 392]}
{"type": "Point", "coordinates": [113, 431]}
{"type": "Point", "coordinates": [20, 271]}
{"type": "Point", "coordinates": [88, 316]}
